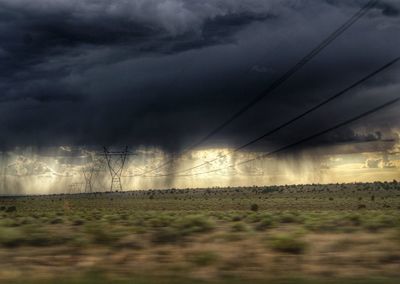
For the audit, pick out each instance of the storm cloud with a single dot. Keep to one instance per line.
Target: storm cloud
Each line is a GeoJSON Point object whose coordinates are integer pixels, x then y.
{"type": "Point", "coordinates": [163, 73]}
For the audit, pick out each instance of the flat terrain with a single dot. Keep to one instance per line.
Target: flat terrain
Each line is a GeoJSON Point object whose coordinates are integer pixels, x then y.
{"type": "Point", "coordinates": [334, 233]}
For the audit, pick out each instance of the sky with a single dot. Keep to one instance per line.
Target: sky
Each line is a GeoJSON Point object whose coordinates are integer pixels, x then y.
{"type": "Point", "coordinates": [159, 75]}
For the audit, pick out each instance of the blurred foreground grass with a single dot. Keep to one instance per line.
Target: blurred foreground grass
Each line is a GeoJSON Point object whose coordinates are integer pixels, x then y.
{"type": "Point", "coordinates": [288, 234]}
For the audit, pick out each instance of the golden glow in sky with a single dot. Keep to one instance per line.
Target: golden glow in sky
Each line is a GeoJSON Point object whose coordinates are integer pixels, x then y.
{"type": "Point", "coordinates": [26, 172]}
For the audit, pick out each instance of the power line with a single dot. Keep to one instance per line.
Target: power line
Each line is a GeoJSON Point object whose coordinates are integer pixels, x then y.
{"type": "Point", "coordinates": [297, 143]}
{"type": "Point", "coordinates": [281, 80]}
{"type": "Point", "coordinates": [292, 120]}
{"type": "Point", "coordinates": [292, 70]}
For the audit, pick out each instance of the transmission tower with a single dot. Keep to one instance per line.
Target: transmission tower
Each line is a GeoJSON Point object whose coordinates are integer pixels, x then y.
{"type": "Point", "coordinates": [116, 163]}
{"type": "Point", "coordinates": [90, 172]}
{"type": "Point", "coordinates": [99, 166]}
{"type": "Point", "coordinates": [75, 188]}
{"type": "Point", "coordinates": [88, 175]}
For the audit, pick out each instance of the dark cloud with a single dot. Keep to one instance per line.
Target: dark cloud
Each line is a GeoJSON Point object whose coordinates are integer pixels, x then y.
{"type": "Point", "coordinates": [164, 73]}
{"type": "Point", "coordinates": [391, 10]}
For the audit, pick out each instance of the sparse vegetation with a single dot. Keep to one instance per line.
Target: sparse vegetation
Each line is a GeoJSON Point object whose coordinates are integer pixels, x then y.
{"type": "Point", "coordinates": [221, 232]}
{"type": "Point", "coordinates": [288, 243]}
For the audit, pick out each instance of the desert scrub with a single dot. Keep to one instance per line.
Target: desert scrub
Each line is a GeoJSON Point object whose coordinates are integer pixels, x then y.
{"type": "Point", "coordinates": [203, 258]}
{"type": "Point", "coordinates": [166, 235]}
{"type": "Point", "coordinates": [320, 224]}
{"type": "Point", "coordinates": [194, 224]}
{"type": "Point", "coordinates": [287, 243]}
{"type": "Point", "coordinates": [29, 236]}
{"type": "Point", "coordinates": [102, 234]}
{"type": "Point", "coordinates": [182, 227]}
{"type": "Point", "coordinates": [78, 222]}
{"type": "Point", "coordinates": [38, 236]}
{"type": "Point", "coordinates": [266, 221]}
{"type": "Point", "coordinates": [161, 221]}
{"type": "Point", "coordinates": [254, 207]}
{"type": "Point", "coordinates": [239, 227]}
{"type": "Point", "coordinates": [379, 222]}
{"type": "Point", "coordinates": [289, 217]}
{"type": "Point", "coordinates": [11, 237]}
{"type": "Point", "coordinates": [57, 220]}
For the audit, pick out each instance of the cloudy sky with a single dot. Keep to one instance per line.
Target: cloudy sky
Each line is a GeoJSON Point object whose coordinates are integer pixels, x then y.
{"type": "Point", "coordinates": [158, 75]}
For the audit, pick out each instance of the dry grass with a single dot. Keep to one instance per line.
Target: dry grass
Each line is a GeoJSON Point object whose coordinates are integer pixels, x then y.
{"type": "Point", "coordinates": [208, 235]}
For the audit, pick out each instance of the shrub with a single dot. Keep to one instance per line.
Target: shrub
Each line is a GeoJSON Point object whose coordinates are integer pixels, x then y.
{"type": "Point", "coordinates": [239, 227]}
{"type": "Point", "coordinates": [11, 209]}
{"type": "Point", "coordinates": [29, 235]}
{"type": "Point", "coordinates": [166, 235]}
{"type": "Point", "coordinates": [254, 207]}
{"type": "Point", "coordinates": [161, 221]}
{"type": "Point", "coordinates": [203, 258]}
{"type": "Point", "coordinates": [380, 222]}
{"type": "Point", "coordinates": [194, 224]}
{"type": "Point", "coordinates": [355, 219]}
{"type": "Point", "coordinates": [11, 237]}
{"type": "Point", "coordinates": [101, 236]}
{"type": "Point", "coordinates": [57, 221]}
{"type": "Point", "coordinates": [236, 218]}
{"type": "Point", "coordinates": [78, 222]}
{"type": "Point", "coordinates": [266, 222]}
{"type": "Point", "coordinates": [288, 243]}
{"type": "Point", "coordinates": [288, 218]}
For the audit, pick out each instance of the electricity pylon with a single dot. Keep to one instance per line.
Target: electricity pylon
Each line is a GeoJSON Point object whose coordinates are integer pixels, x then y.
{"type": "Point", "coordinates": [98, 167]}
{"type": "Point", "coordinates": [75, 188]}
{"type": "Point", "coordinates": [116, 163]}
{"type": "Point", "coordinates": [88, 175]}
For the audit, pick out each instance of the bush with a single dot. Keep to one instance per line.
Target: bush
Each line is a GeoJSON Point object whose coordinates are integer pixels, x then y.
{"type": "Point", "coordinates": [237, 218]}
{"type": "Point", "coordinates": [11, 209]}
{"type": "Point", "coordinates": [288, 243]}
{"type": "Point", "coordinates": [380, 222]}
{"type": "Point", "coordinates": [166, 235]}
{"type": "Point", "coordinates": [355, 219]}
{"type": "Point", "coordinates": [30, 236]}
{"type": "Point", "coordinates": [78, 222]}
{"type": "Point", "coordinates": [361, 206]}
{"type": "Point", "coordinates": [266, 222]}
{"type": "Point", "coordinates": [254, 207]}
{"type": "Point", "coordinates": [203, 258]}
{"type": "Point", "coordinates": [289, 218]}
{"type": "Point", "coordinates": [161, 221]}
{"type": "Point", "coordinates": [101, 236]}
{"type": "Point", "coordinates": [194, 224]}
{"type": "Point", "coordinates": [57, 221]}
{"type": "Point", "coordinates": [11, 237]}
{"type": "Point", "coordinates": [239, 227]}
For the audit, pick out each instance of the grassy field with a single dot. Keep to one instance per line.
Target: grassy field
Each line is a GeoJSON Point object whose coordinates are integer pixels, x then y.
{"type": "Point", "coordinates": [338, 233]}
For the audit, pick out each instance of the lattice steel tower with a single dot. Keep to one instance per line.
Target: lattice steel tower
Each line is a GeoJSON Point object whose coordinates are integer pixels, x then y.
{"type": "Point", "coordinates": [88, 175]}
{"type": "Point", "coordinates": [116, 163]}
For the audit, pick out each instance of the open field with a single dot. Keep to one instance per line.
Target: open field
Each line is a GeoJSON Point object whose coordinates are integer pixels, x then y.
{"type": "Point", "coordinates": [316, 233]}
